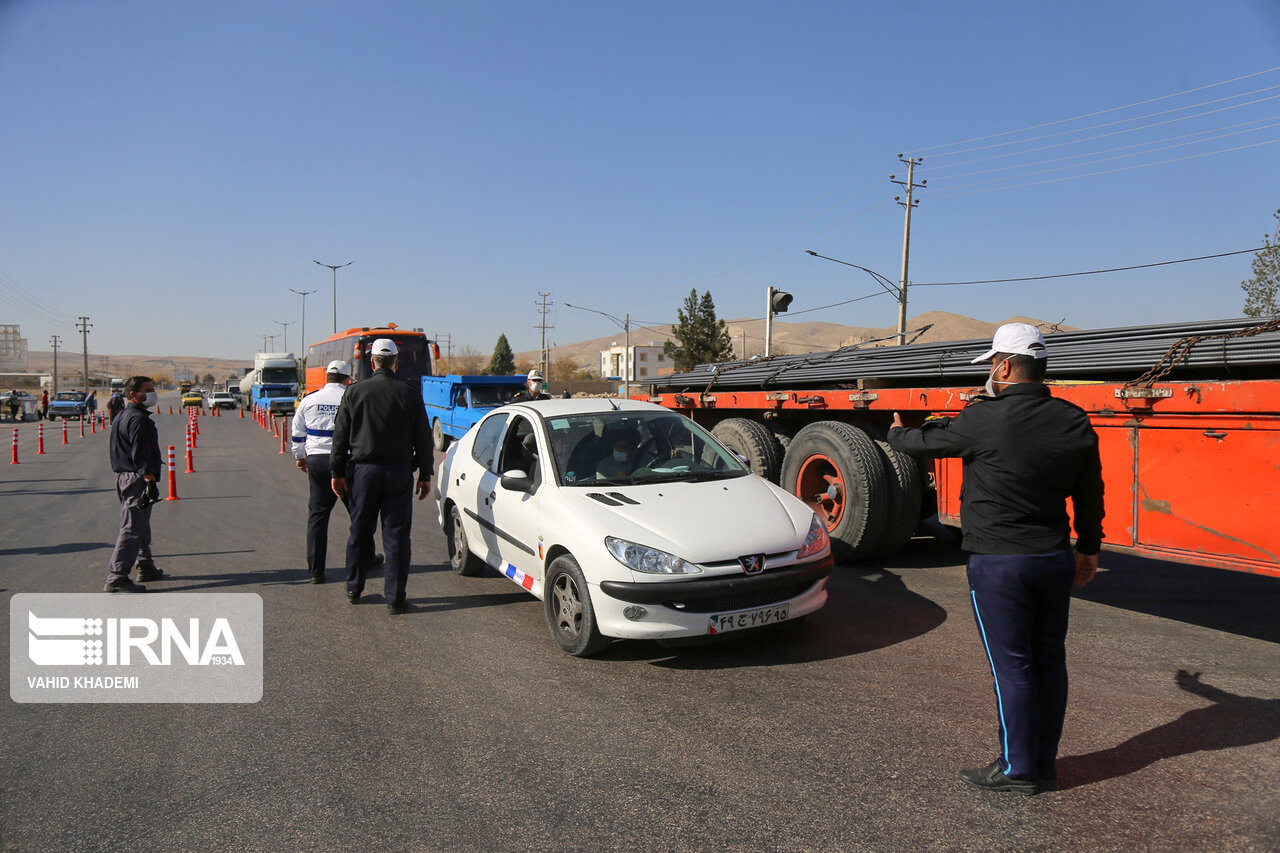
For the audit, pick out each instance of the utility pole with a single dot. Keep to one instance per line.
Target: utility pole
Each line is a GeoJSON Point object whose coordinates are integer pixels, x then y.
{"type": "Point", "coordinates": [542, 326]}
{"type": "Point", "coordinates": [54, 340]}
{"type": "Point", "coordinates": [84, 326]}
{"type": "Point", "coordinates": [909, 185]}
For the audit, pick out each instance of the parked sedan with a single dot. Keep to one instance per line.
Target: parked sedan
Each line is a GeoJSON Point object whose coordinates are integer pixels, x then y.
{"type": "Point", "coordinates": [67, 404]}
{"type": "Point", "coordinates": [629, 521]}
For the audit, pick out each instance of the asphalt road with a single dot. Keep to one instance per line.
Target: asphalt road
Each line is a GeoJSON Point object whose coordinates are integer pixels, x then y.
{"type": "Point", "coordinates": [460, 726]}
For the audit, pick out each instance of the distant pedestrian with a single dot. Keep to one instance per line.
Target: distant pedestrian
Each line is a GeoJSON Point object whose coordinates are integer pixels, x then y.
{"type": "Point", "coordinates": [92, 403]}
{"type": "Point", "coordinates": [312, 442]}
{"type": "Point", "coordinates": [44, 404]}
{"type": "Point", "coordinates": [135, 457]}
{"type": "Point", "coordinates": [1025, 452]}
{"type": "Point", "coordinates": [532, 390]}
{"type": "Point", "coordinates": [14, 403]}
{"type": "Point", "coordinates": [114, 405]}
{"type": "Point", "coordinates": [380, 437]}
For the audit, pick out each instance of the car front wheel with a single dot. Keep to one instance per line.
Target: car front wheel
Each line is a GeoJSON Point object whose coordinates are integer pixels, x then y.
{"type": "Point", "coordinates": [461, 559]}
{"type": "Point", "coordinates": [570, 616]}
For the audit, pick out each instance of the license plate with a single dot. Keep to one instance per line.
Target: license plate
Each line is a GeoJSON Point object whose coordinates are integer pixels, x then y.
{"type": "Point", "coordinates": [721, 623]}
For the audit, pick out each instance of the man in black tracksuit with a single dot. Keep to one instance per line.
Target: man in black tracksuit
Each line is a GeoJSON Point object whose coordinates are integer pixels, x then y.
{"type": "Point", "coordinates": [380, 437]}
{"type": "Point", "coordinates": [135, 457]}
{"type": "Point", "coordinates": [1025, 452]}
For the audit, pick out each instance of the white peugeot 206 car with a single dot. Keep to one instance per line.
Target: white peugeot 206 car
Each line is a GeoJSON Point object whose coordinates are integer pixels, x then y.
{"type": "Point", "coordinates": [628, 520]}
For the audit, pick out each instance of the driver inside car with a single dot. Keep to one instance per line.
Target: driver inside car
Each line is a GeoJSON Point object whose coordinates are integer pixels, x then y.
{"type": "Point", "coordinates": [621, 460]}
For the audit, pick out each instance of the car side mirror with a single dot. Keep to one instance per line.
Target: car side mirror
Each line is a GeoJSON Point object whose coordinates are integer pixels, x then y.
{"type": "Point", "coordinates": [516, 481]}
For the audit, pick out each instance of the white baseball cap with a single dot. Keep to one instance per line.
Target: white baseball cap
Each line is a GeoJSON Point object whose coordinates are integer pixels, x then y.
{"type": "Point", "coordinates": [1016, 339]}
{"type": "Point", "coordinates": [338, 366]}
{"type": "Point", "coordinates": [384, 346]}
{"type": "Point", "coordinates": [533, 374]}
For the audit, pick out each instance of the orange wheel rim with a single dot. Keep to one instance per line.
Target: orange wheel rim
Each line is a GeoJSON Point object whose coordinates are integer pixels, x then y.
{"type": "Point", "coordinates": [821, 486]}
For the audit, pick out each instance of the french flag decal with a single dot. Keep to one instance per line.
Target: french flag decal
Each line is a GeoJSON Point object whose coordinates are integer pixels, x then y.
{"type": "Point", "coordinates": [518, 576]}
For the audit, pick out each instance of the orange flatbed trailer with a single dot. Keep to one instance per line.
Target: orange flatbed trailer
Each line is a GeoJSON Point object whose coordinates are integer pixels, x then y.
{"type": "Point", "coordinates": [1191, 468]}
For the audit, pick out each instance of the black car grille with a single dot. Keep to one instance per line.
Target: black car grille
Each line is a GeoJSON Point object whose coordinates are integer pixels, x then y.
{"type": "Point", "coordinates": [742, 600]}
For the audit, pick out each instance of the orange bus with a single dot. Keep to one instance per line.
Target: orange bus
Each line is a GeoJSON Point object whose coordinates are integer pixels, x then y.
{"type": "Point", "coordinates": [353, 345]}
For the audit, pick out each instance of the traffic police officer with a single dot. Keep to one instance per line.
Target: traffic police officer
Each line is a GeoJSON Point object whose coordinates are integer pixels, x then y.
{"type": "Point", "coordinates": [1025, 452]}
{"type": "Point", "coordinates": [135, 457]}
{"type": "Point", "coordinates": [380, 437]}
{"type": "Point", "coordinates": [312, 440]}
{"type": "Point", "coordinates": [532, 389]}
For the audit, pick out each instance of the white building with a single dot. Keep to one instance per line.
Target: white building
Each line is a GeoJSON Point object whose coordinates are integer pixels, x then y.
{"type": "Point", "coordinates": [645, 362]}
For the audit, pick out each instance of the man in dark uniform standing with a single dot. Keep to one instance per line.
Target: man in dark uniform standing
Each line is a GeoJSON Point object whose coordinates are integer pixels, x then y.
{"type": "Point", "coordinates": [135, 457]}
{"type": "Point", "coordinates": [380, 437]}
{"type": "Point", "coordinates": [532, 389]}
{"type": "Point", "coordinates": [1025, 452]}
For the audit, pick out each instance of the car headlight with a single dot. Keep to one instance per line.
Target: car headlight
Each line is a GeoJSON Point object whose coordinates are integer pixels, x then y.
{"type": "Point", "coordinates": [816, 541]}
{"type": "Point", "coordinates": [642, 558]}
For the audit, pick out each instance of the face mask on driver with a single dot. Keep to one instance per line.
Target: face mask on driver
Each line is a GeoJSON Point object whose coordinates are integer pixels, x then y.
{"type": "Point", "coordinates": [990, 387]}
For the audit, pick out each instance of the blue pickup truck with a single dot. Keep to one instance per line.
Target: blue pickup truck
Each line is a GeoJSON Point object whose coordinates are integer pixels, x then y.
{"type": "Point", "coordinates": [455, 403]}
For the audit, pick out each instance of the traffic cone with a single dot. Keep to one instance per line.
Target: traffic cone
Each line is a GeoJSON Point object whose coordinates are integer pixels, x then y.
{"type": "Point", "coordinates": [64, 431]}
{"type": "Point", "coordinates": [93, 426]}
{"type": "Point", "coordinates": [173, 478]}
{"type": "Point", "coordinates": [191, 468]}
{"type": "Point", "coordinates": [171, 408]}
{"type": "Point", "coordinates": [242, 413]}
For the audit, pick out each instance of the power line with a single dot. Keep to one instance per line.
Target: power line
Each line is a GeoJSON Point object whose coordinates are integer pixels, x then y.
{"type": "Point", "coordinates": [935, 148]}
{"type": "Point", "coordinates": [1085, 272]}
{"type": "Point", "coordinates": [947, 194]}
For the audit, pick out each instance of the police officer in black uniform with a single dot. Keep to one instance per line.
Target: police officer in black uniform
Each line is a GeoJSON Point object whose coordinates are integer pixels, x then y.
{"type": "Point", "coordinates": [1025, 452]}
{"type": "Point", "coordinates": [135, 457]}
{"type": "Point", "coordinates": [380, 437]}
{"type": "Point", "coordinates": [532, 389]}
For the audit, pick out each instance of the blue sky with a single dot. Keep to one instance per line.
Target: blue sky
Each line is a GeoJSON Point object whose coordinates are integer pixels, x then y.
{"type": "Point", "coordinates": [171, 170]}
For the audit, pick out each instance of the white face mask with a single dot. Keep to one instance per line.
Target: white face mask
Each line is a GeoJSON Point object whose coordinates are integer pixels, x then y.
{"type": "Point", "coordinates": [620, 455]}
{"type": "Point", "coordinates": [992, 382]}
{"type": "Point", "coordinates": [150, 400]}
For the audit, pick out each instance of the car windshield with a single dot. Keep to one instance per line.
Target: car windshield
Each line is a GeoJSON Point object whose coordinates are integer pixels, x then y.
{"type": "Point", "coordinates": [630, 447]}
{"type": "Point", "coordinates": [276, 392]}
{"type": "Point", "coordinates": [73, 396]}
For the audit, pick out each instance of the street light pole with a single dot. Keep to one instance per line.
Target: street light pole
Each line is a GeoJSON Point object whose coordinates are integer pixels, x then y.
{"type": "Point", "coordinates": [303, 330]}
{"type": "Point", "coordinates": [335, 268]}
{"type": "Point", "coordinates": [284, 329]}
{"type": "Point", "coordinates": [627, 373]}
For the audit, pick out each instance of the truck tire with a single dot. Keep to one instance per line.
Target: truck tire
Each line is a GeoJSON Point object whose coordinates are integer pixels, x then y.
{"type": "Point", "coordinates": [439, 440]}
{"type": "Point", "coordinates": [906, 491]}
{"type": "Point", "coordinates": [755, 442]}
{"type": "Point", "coordinates": [836, 468]}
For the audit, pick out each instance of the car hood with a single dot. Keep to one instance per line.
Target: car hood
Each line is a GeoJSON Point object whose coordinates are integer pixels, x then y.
{"type": "Point", "coordinates": [701, 522]}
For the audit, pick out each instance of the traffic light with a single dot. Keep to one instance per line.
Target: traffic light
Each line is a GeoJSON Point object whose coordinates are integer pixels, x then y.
{"type": "Point", "coordinates": [778, 300]}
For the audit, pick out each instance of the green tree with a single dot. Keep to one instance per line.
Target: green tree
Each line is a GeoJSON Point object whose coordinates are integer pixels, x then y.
{"type": "Point", "coordinates": [1262, 292]}
{"type": "Point", "coordinates": [699, 337]}
{"type": "Point", "coordinates": [503, 362]}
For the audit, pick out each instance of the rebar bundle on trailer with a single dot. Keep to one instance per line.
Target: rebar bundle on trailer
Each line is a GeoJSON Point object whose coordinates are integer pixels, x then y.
{"type": "Point", "coordinates": [1224, 349]}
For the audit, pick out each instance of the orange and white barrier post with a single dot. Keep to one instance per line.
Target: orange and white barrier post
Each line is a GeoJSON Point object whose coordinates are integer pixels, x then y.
{"type": "Point", "coordinates": [14, 460]}
{"type": "Point", "coordinates": [93, 425]}
{"type": "Point", "coordinates": [173, 477]}
{"type": "Point", "coordinates": [82, 417]}
{"type": "Point", "coordinates": [191, 468]}
{"type": "Point", "coordinates": [64, 431]}
{"type": "Point", "coordinates": [40, 439]}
